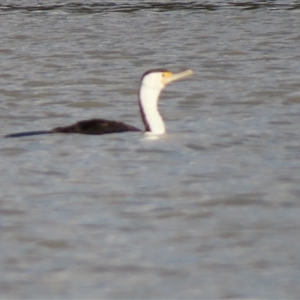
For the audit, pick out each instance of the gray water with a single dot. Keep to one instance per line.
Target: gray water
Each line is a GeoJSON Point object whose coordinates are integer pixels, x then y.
{"type": "Point", "coordinates": [210, 210]}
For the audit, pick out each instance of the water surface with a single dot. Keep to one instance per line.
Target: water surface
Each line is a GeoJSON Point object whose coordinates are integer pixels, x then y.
{"type": "Point", "coordinates": [210, 210]}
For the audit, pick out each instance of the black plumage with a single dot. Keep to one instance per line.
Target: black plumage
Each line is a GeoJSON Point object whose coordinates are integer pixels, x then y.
{"type": "Point", "coordinates": [96, 126]}
{"type": "Point", "coordinates": [93, 127]}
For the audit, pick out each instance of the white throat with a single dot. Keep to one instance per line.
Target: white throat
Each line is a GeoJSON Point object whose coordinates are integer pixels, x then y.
{"type": "Point", "coordinates": [148, 105]}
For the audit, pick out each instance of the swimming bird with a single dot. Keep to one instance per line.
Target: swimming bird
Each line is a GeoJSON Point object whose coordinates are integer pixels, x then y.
{"type": "Point", "coordinates": [152, 83]}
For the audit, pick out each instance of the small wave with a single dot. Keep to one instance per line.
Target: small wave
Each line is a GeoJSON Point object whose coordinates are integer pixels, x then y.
{"type": "Point", "coordinates": [155, 6]}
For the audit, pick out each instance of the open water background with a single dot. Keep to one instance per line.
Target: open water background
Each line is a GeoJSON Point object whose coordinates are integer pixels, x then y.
{"type": "Point", "coordinates": [210, 210]}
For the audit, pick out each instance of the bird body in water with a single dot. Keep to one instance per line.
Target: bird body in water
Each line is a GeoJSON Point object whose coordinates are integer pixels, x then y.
{"type": "Point", "coordinates": [152, 83]}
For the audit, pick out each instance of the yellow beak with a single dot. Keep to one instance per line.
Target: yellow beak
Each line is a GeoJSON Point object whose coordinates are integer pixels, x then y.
{"type": "Point", "coordinates": [170, 77]}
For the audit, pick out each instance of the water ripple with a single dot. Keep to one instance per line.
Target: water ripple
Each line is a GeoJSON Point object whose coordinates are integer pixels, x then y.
{"type": "Point", "coordinates": [91, 8]}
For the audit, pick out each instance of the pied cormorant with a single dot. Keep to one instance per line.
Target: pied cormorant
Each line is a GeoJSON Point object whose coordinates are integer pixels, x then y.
{"type": "Point", "coordinates": [152, 83]}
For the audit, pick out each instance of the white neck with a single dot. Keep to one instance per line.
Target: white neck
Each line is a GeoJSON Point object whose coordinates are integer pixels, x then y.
{"type": "Point", "coordinates": [150, 114]}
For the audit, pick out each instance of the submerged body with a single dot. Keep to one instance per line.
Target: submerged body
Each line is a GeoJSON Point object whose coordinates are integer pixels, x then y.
{"type": "Point", "coordinates": [93, 127]}
{"type": "Point", "coordinates": [152, 83]}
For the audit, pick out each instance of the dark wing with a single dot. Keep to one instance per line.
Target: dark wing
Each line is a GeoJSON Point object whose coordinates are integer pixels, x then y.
{"type": "Point", "coordinates": [95, 126]}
